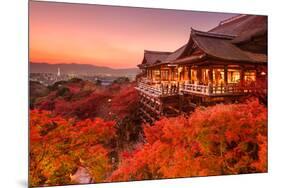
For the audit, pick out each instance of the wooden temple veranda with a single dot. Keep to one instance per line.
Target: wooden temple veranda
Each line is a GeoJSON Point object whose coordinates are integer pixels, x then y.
{"type": "Point", "coordinates": [218, 66]}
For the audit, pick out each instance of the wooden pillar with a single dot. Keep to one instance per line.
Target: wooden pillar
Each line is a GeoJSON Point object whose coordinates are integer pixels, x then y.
{"type": "Point", "coordinates": [199, 75]}
{"type": "Point", "coordinates": [242, 70]}
{"type": "Point", "coordinates": [173, 74]}
{"type": "Point", "coordinates": [180, 74]}
{"type": "Point", "coordinates": [169, 74]}
{"type": "Point", "coordinates": [225, 75]}
{"type": "Point", "coordinates": [184, 73]}
{"type": "Point", "coordinates": [160, 74]}
{"type": "Point", "coordinates": [211, 75]}
{"type": "Point", "coordinates": [189, 74]}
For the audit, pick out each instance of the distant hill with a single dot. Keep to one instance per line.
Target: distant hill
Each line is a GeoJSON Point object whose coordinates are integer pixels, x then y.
{"type": "Point", "coordinates": [80, 69]}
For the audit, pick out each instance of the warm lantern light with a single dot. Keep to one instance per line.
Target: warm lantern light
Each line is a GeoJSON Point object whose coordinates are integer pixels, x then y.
{"type": "Point", "coordinates": [180, 69]}
{"type": "Point", "coordinates": [263, 73]}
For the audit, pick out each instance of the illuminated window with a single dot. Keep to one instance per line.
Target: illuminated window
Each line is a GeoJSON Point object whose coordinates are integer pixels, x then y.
{"type": "Point", "coordinates": [164, 75]}
{"type": "Point", "coordinates": [156, 74]}
{"type": "Point", "coordinates": [185, 76]}
{"type": "Point", "coordinates": [205, 76]}
{"type": "Point", "coordinates": [250, 76]}
{"type": "Point", "coordinates": [233, 76]}
{"type": "Point", "coordinates": [180, 73]}
{"type": "Point", "coordinates": [174, 74]}
{"type": "Point", "coordinates": [193, 75]}
{"type": "Point", "coordinates": [218, 76]}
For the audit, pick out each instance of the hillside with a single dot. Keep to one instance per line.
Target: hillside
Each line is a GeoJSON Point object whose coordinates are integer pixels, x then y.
{"type": "Point", "coordinates": [80, 69]}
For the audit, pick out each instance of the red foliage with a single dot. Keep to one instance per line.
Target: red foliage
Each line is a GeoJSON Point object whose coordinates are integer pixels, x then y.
{"type": "Point", "coordinates": [58, 146]}
{"type": "Point", "coordinates": [87, 107]}
{"type": "Point", "coordinates": [82, 100]}
{"type": "Point", "coordinates": [224, 139]}
{"type": "Point", "coordinates": [125, 101]}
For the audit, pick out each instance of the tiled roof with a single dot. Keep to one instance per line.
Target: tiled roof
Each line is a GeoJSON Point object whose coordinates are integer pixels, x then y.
{"type": "Point", "coordinates": [240, 24]}
{"type": "Point", "coordinates": [222, 48]}
{"type": "Point", "coordinates": [152, 57]}
{"type": "Point", "coordinates": [220, 43]}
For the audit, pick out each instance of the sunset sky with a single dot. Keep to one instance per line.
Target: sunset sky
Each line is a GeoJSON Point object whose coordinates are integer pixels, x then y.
{"type": "Point", "coordinates": [108, 36]}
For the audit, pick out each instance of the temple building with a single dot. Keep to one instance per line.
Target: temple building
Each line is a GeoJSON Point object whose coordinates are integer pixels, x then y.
{"type": "Point", "coordinates": [219, 66]}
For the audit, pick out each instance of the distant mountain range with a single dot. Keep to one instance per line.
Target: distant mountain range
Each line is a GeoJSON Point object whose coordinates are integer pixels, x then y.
{"type": "Point", "coordinates": [80, 69]}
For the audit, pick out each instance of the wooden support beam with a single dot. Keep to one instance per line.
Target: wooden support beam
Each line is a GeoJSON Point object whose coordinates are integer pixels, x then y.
{"type": "Point", "coordinates": [173, 109]}
{"type": "Point", "coordinates": [225, 75]}
{"type": "Point", "coordinates": [242, 75]}
{"type": "Point", "coordinates": [189, 74]}
{"type": "Point", "coordinates": [143, 119]}
{"type": "Point", "coordinates": [211, 75]}
{"type": "Point", "coordinates": [161, 108]}
{"type": "Point", "coordinates": [199, 75]}
{"type": "Point", "coordinates": [148, 115]}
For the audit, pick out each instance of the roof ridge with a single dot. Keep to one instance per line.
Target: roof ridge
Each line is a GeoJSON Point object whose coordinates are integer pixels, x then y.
{"type": "Point", "coordinates": [211, 34]}
{"type": "Point", "coordinates": [159, 52]}
{"type": "Point", "coordinates": [233, 18]}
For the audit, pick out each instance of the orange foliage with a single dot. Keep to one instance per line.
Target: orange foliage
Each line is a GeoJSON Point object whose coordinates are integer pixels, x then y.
{"type": "Point", "coordinates": [87, 107]}
{"type": "Point", "coordinates": [125, 101]}
{"type": "Point", "coordinates": [82, 100]}
{"type": "Point", "coordinates": [58, 146]}
{"type": "Point", "coordinates": [224, 139]}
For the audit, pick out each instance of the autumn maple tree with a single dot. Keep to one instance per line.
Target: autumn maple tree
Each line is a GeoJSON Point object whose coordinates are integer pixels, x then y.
{"type": "Point", "coordinates": [224, 139]}
{"type": "Point", "coordinates": [58, 146]}
{"type": "Point", "coordinates": [76, 124]}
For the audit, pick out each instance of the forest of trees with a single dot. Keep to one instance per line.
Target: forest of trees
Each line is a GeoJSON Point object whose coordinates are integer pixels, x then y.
{"type": "Point", "coordinates": [77, 124]}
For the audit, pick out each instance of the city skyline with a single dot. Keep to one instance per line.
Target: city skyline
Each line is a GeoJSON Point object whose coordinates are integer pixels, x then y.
{"type": "Point", "coordinates": [87, 34]}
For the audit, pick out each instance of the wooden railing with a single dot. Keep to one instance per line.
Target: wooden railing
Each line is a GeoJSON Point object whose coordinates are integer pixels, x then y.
{"type": "Point", "coordinates": [167, 89]}
{"type": "Point", "coordinates": [228, 89]}
{"type": "Point", "coordinates": [153, 90]}
{"type": "Point", "coordinates": [170, 89]}
{"type": "Point", "coordinates": [193, 88]}
{"type": "Point", "coordinates": [159, 89]}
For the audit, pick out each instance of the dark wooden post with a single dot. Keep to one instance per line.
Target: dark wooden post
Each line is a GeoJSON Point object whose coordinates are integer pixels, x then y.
{"type": "Point", "coordinates": [184, 73]}
{"type": "Point", "coordinates": [189, 74]}
{"type": "Point", "coordinates": [242, 75]}
{"type": "Point", "coordinates": [225, 78]}
{"type": "Point", "coordinates": [161, 108]}
{"type": "Point", "coordinates": [160, 74]}
{"type": "Point", "coordinates": [225, 75]}
{"type": "Point", "coordinates": [199, 75]}
{"type": "Point", "coordinates": [169, 74]}
{"type": "Point", "coordinates": [211, 75]}
{"type": "Point", "coordinates": [211, 81]}
{"type": "Point", "coordinates": [172, 73]}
